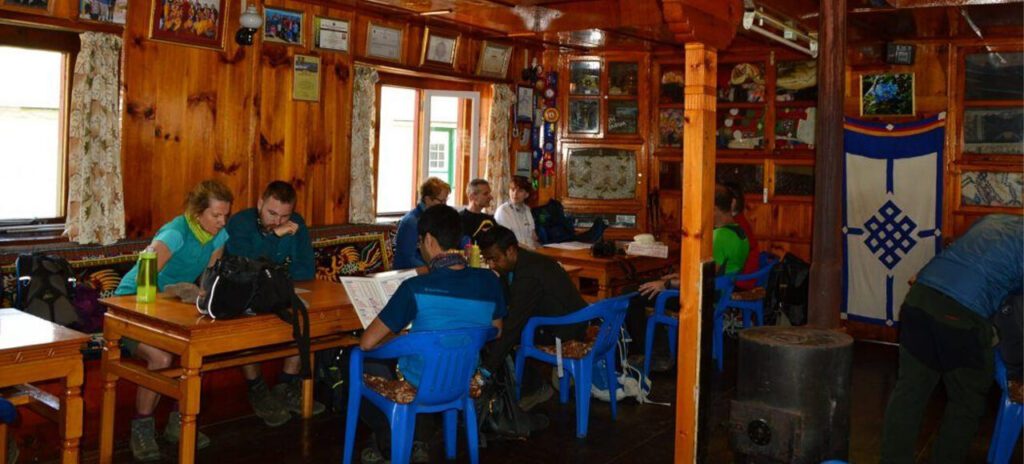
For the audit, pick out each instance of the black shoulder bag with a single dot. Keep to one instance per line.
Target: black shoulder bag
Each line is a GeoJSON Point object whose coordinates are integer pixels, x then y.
{"type": "Point", "coordinates": [235, 285]}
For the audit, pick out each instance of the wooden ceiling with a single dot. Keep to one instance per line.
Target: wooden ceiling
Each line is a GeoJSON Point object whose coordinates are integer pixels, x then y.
{"type": "Point", "coordinates": [642, 24]}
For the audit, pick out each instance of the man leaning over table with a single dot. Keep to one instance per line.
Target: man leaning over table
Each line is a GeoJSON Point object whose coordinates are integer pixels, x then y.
{"type": "Point", "coordinates": [274, 231]}
{"type": "Point", "coordinates": [451, 296]}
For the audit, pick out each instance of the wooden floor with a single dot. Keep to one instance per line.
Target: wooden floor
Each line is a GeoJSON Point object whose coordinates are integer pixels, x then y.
{"type": "Point", "coordinates": [642, 433]}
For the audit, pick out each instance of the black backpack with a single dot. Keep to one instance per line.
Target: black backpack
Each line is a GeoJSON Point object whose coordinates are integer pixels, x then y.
{"type": "Point", "coordinates": [45, 287]}
{"type": "Point", "coordinates": [786, 290]}
{"type": "Point", "coordinates": [235, 284]}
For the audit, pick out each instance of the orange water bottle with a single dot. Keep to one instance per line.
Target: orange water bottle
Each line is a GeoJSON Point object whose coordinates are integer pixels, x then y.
{"type": "Point", "coordinates": [145, 280]}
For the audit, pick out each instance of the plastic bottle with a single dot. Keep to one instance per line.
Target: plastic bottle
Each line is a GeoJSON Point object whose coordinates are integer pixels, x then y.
{"type": "Point", "coordinates": [474, 256]}
{"type": "Point", "coordinates": [145, 280]}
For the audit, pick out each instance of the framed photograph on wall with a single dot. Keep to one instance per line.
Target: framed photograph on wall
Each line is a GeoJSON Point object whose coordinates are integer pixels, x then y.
{"type": "Point", "coordinates": [584, 116]}
{"type": "Point", "coordinates": [103, 11]}
{"type": "Point", "coordinates": [439, 48]}
{"type": "Point", "coordinates": [523, 160]}
{"type": "Point", "coordinates": [35, 6]}
{"type": "Point", "coordinates": [330, 34]}
{"type": "Point", "coordinates": [282, 26]}
{"type": "Point", "coordinates": [524, 103]}
{"type": "Point", "coordinates": [199, 23]}
{"type": "Point", "coordinates": [494, 59]}
{"type": "Point", "coordinates": [889, 94]}
{"type": "Point", "coordinates": [384, 42]}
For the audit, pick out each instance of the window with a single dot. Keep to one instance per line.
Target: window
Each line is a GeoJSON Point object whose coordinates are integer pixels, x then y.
{"type": "Point", "coordinates": [32, 134]}
{"type": "Point", "coordinates": [424, 133]}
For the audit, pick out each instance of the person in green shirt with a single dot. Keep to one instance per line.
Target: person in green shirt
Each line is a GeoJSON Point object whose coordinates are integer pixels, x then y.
{"type": "Point", "coordinates": [184, 247]}
{"type": "Point", "coordinates": [274, 231]}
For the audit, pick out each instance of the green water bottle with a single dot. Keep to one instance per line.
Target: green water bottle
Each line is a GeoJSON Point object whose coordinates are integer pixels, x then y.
{"type": "Point", "coordinates": [145, 280]}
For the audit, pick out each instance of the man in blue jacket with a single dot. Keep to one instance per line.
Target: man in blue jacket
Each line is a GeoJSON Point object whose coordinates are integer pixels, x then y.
{"type": "Point", "coordinates": [432, 192]}
{"type": "Point", "coordinates": [272, 230]}
{"type": "Point", "coordinates": [946, 334]}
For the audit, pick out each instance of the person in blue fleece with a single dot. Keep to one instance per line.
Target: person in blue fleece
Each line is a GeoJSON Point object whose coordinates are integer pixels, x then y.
{"type": "Point", "coordinates": [432, 192]}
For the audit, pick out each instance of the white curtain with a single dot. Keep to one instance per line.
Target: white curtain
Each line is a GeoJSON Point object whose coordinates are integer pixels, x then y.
{"type": "Point", "coordinates": [496, 170]}
{"type": "Point", "coordinates": [95, 212]}
{"type": "Point", "coordinates": [361, 207]}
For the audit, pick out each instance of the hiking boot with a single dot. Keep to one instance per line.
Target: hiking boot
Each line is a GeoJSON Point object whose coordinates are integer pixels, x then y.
{"type": "Point", "coordinates": [172, 433]}
{"type": "Point", "coordinates": [289, 395]}
{"type": "Point", "coordinates": [420, 453]}
{"type": "Point", "coordinates": [542, 394]}
{"type": "Point", "coordinates": [12, 451]}
{"type": "Point", "coordinates": [267, 406]}
{"type": "Point", "coordinates": [372, 455]}
{"type": "Point", "coordinates": [143, 441]}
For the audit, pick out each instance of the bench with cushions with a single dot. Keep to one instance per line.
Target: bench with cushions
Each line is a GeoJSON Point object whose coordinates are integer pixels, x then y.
{"type": "Point", "coordinates": [342, 250]}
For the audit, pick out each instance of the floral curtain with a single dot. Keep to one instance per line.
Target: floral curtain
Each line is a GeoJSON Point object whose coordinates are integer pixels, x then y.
{"type": "Point", "coordinates": [496, 170]}
{"type": "Point", "coordinates": [95, 211]}
{"type": "Point", "coordinates": [361, 198]}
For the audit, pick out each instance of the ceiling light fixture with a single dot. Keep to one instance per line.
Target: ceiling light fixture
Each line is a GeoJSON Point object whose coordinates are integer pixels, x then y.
{"type": "Point", "coordinates": [759, 22]}
{"type": "Point", "coordinates": [436, 12]}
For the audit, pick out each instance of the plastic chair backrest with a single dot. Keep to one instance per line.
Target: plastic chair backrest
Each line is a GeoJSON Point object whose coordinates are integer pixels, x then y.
{"type": "Point", "coordinates": [612, 312]}
{"type": "Point", "coordinates": [1000, 370]}
{"type": "Point", "coordinates": [449, 359]}
{"type": "Point", "coordinates": [662, 300]}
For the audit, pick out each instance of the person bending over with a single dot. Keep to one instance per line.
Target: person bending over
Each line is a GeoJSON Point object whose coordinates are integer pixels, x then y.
{"type": "Point", "coordinates": [184, 247]}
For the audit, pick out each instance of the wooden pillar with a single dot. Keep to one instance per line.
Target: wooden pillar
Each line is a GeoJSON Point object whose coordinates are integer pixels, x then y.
{"type": "Point", "coordinates": [826, 260]}
{"type": "Point", "coordinates": [698, 193]}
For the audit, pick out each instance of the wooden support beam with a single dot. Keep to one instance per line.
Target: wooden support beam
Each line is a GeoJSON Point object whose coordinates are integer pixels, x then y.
{"type": "Point", "coordinates": [697, 227]}
{"type": "Point", "coordinates": [825, 288]}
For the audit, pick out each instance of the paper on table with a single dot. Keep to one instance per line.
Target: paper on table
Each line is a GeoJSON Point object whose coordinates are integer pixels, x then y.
{"type": "Point", "coordinates": [570, 245]}
{"type": "Point", "coordinates": [369, 294]}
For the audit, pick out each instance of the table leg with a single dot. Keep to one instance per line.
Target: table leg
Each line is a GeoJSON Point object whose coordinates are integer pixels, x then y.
{"type": "Point", "coordinates": [307, 398]}
{"type": "Point", "coordinates": [71, 414]}
{"type": "Point", "coordinates": [3, 443]}
{"type": "Point", "coordinates": [188, 405]}
{"type": "Point", "coordinates": [604, 287]}
{"type": "Point", "coordinates": [111, 356]}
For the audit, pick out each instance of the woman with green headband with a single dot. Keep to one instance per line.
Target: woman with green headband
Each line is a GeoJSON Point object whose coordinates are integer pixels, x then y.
{"type": "Point", "coordinates": [184, 247]}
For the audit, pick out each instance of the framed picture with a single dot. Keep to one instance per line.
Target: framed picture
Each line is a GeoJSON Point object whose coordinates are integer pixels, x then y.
{"type": "Point", "coordinates": [104, 11]}
{"type": "Point", "coordinates": [671, 87]}
{"type": "Point", "coordinates": [584, 115]}
{"type": "Point", "coordinates": [306, 78]}
{"type": "Point", "coordinates": [991, 189]}
{"type": "Point", "coordinates": [524, 103]}
{"type": "Point", "coordinates": [670, 127]}
{"type": "Point", "coordinates": [35, 6]}
{"type": "Point", "coordinates": [330, 34]}
{"type": "Point", "coordinates": [585, 78]}
{"type": "Point", "coordinates": [623, 116]}
{"type": "Point", "coordinates": [439, 48]}
{"type": "Point", "coordinates": [384, 42]}
{"type": "Point", "coordinates": [523, 160]}
{"type": "Point", "coordinates": [890, 94]}
{"type": "Point", "coordinates": [622, 79]}
{"type": "Point", "coordinates": [494, 59]}
{"type": "Point", "coordinates": [199, 23]}
{"type": "Point", "coordinates": [282, 26]}
{"type": "Point", "coordinates": [994, 131]}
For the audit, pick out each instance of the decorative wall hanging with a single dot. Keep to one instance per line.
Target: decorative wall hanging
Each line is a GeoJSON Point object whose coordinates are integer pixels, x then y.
{"type": "Point", "coordinates": [892, 218]}
{"type": "Point", "coordinates": [330, 34]}
{"type": "Point", "coordinates": [887, 94]}
{"type": "Point", "coordinates": [198, 23]}
{"type": "Point", "coordinates": [282, 26]}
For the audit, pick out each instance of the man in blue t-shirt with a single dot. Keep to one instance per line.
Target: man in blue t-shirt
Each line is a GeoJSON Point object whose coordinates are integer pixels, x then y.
{"type": "Point", "coordinates": [945, 334]}
{"type": "Point", "coordinates": [432, 192]}
{"type": "Point", "coordinates": [274, 231]}
{"type": "Point", "coordinates": [451, 295]}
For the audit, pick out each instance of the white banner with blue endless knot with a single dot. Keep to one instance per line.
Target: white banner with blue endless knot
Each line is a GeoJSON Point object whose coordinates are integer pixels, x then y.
{"type": "Point", "coordinates": [892, 193]}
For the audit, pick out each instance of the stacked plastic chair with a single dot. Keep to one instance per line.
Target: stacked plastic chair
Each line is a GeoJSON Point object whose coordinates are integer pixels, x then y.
{"type": "Point", "coordinates": [450, 358]}
{"type": "Point", "coordinates": [1009, 421]}
{"type": "Point", "coordinates": [612, 312]}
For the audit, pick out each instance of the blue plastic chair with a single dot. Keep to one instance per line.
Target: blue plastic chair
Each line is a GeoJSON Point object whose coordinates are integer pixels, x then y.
{"type": "Point", "coordinates": [612, 312]}
{"type": "Point", "coordinates": [1009, 421]}
{"type": "Point", "coordinates": [450, 358]}
{"type": "Point", "coordinates": [766, 261]}
{"type": "Point", "coordinates": [662, 318]}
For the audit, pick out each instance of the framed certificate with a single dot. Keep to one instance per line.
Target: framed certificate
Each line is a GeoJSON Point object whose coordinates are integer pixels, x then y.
{"type": "Point", "coordinates": [384, 42]}
{"type": "Point", "coordinates": [330, 34]}
{"type": "Point", "coordinates": [439, 48]}
{"type": "Point", "coordinates": [494, 58]}
{"type": "Point", "coordinates": [306, 78]}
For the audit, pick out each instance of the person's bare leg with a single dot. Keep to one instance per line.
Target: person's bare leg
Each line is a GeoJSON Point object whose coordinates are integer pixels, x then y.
{"type": "Point", "coordinates": [156, 359]}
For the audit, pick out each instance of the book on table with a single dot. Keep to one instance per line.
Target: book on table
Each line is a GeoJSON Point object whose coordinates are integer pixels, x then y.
{"type": "Point", "coordinates": [369, 294]}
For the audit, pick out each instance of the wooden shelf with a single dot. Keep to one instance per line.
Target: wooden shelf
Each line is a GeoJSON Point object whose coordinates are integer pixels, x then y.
{"type": "Point", "coordinates": [722, 104]}
{"type": "Point", "coordinates": [796, 104]}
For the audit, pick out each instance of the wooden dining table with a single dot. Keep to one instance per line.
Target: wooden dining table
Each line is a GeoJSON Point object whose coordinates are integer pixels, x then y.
{"type": "Point", "coordinates": [610, 273]}
{"type": "Point", "coordinates": [34, 350]}
{"type": "Point", "coordinates": [205, 344]}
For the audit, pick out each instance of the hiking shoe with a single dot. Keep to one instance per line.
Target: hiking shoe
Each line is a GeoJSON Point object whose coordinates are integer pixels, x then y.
{"type": "Point", "coordinates": [372, 455]}
{"type": "Point", "coordinates": [172, 433]}
{"type": "Point", "coordinates": [420, 453]}
{"type": "Point", "coordinates": [12, 451]}
{"type": "Point", "coordinates": [542, 394]}
{"type": "Point", "coordinates": [267, 406]}
{"type": "Point", "coordinates": [143, 441]}
{"type": "Point", "coordinates": [289, 395]}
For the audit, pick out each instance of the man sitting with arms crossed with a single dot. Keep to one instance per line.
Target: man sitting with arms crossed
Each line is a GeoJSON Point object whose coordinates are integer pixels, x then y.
{"type": "Point", "coordinates": [451, 296]}
{"type": "Point", "coordinates": [272, 230]}
{"type": "Point", "coordinates": [536, 286]}
{"type": "Point", "coordinates": [474, 219]}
